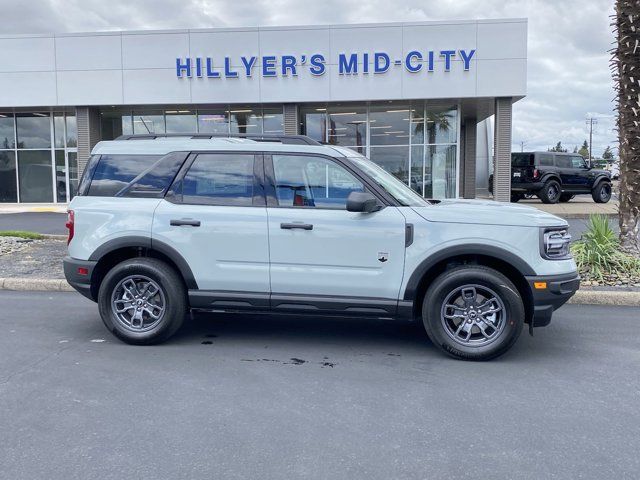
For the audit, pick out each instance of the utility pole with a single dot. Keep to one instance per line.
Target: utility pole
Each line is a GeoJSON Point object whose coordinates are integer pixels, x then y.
{"type": "Point", "coordinates": [591, 121]}
{"type": "Point", "coordinates": [522, 144]}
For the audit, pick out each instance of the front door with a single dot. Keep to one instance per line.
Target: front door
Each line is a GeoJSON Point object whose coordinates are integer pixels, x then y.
{"type": "Point", "coordinates": [319, 250]}
{"type": "Point", "coordinates": [215, 217]}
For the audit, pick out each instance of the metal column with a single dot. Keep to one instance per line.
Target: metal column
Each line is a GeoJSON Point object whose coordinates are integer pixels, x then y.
{"type": "Point", "coordinates": [291, 122]}
{"type": "Point", "coordinates": [88, 122]}
{"type": "Point", "coordinates": [468, 177]}
{"type": "Point", "coordinates": [502, 151]}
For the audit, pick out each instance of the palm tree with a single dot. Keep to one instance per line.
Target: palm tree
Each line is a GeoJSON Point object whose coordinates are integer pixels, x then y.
{"type": "Point", "coordinates": [626, 74]}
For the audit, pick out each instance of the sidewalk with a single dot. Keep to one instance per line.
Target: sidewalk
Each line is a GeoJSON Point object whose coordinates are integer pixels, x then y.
{"type": "Point", "coordinates": [580, 207]}
{"type": "Point", "coordinates": [33, 208]}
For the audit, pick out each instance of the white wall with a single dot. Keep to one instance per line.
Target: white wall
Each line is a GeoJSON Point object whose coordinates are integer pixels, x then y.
{"type": "Point", "coordinates": [139, 67]}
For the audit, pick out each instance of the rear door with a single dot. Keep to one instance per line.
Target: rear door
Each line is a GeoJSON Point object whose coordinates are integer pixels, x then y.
{"type": "Point", "coordinates": [322, 256]}
{"type": "Point", "coordinates": [566, 171]}
{"type": "Point", "coordinates": [215, 217]}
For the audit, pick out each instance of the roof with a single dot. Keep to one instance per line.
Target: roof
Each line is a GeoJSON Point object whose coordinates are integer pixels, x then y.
{"type": "Point", "coordinates": [164, 145]}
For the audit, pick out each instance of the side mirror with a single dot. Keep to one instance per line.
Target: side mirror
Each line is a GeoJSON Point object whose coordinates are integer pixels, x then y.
{"type": "Point", "coordinates": [362, 202]}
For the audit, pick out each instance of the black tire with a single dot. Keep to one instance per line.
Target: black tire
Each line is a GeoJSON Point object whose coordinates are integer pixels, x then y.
{"type": "Point", "coordinates": [550, 192]}
{"type": "Point", "coordinates": [440, 329]}
{"type": "Point", "coordinates": [172, 293]}
{"type": "Point", "coordinates": [516, 197]}
{"type": "Point", "coordinates": [565, 197]}
{"type": "Point", "coordinates": [602, 192]}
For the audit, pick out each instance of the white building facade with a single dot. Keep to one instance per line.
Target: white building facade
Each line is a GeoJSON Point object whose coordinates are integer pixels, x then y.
{"type": "Point", "coordinates": [408, 95]}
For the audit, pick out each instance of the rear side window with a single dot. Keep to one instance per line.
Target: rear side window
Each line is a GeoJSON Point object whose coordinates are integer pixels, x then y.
{"type": "Point", "coordinates": [219, 179]}
{"type": "Point", "coordinates": [521, 159]}
{"type": "Point", "coordinates": [563, 161]}
{"type": "Point", "coordinates": [114, 172]}
{"type": "Point", "coordinates": [545, 160]}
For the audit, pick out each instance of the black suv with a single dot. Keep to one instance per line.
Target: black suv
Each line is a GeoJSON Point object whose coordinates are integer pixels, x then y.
{"type": "Point", "coordinates": [556, 177]}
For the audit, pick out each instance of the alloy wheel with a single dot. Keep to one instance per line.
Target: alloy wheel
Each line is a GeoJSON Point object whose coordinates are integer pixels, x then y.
{"type": "Point", "coordinates": [138, 303]}
{"type": "Point", "coordinates": [473, 315]}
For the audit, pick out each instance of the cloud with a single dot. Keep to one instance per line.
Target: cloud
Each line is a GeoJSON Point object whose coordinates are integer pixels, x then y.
{"type": "Point", "coordinates": [569, 40]}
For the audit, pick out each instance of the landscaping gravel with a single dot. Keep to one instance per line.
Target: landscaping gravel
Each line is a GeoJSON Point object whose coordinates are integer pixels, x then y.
{"type": "Point", "coordinates": [31, 258]}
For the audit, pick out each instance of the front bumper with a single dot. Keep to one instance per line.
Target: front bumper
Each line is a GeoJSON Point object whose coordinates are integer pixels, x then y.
{"type": "Point", "coordinates": [558, 289]}
{"type": "Point", "coordinates": [81, 282]}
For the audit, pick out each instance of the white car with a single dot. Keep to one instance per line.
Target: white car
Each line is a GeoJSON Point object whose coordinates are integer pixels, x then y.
{"type": "Point", "coordinates": [162, 224]}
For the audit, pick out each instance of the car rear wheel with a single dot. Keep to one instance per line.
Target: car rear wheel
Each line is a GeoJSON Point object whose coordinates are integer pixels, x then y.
{"type": "Point", "coordinates": [565, 197]}
{"type": "Point", "coordinates": [602, 192]}
{"type": "Point", "coordinates": [142, 301]}
{"type": "Point", "coordinates": [550, 192]}
{"type": "Point", "coordinates": [473, 313]}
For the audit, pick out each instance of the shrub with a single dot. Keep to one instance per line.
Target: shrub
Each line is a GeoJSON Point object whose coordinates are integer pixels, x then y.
{"type": "Point", "coordinates": [598, 253]}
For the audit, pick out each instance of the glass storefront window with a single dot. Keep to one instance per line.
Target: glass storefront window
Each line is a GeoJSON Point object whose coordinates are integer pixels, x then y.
{"type": "Point", "coordinates": [441, 123]}
{"type": "Point", "coordinates": [7, 132]}
{"type": "Point", "coordinates": [442, 178]}
{"type": "Point", "coordinates": [418, 174]}
{"type": "Point", "coordinates": [272, 120]}
{"type": "Point", "coordinates": [417, 123]}
{"type": "Point", "coordinates": [35, 176]}
{"type": "Point", "coordinates": [389, 124]}
{"type": "Point", "coordinates": [181, 121]}
{"type": "Point", "coordinates": [34, 130]}
{"type": "Point", "coordinates": [245, 120]}
{"type": "Point", "coordinates": [72, 131]}
{"type": "Point", "coordinates": [58, 130]}
{"type": "Point", "coordinates": [213, 121]}
{"type": "Point", "coordinates": [61, 177]}
{"type": "Point", "coordinates": [313, 123]}
{"type": "Point", "coordinates": [347, 127]}
{"type": "Point", "coordinates": [147, 122]}
{"type": "Point", "coordinates": [8, 190]}
{"type": "Point", "coordinates": [394, 160]}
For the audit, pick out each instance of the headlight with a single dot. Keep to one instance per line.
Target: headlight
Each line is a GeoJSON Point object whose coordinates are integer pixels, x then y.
{"type": "Point", "coordinates": [554, 244]}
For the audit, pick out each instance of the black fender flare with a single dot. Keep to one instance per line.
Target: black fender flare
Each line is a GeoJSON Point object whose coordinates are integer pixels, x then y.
{"type": "Point", "coordinates": [551, 176]}
{"type": "Point", "coordinates": [146, 242]}
{"type": "Point", "coordinates": [497, 253]}
{"type": "Point", "coordinates": [599, 179]}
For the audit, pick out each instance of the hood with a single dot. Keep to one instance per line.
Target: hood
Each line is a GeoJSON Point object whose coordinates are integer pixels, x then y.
{"type": "Point", "coordinates": [488, 212]}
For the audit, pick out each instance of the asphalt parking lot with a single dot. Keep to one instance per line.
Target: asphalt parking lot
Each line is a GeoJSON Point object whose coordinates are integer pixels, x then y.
{"type": "Point", "coordinates": [282, 397]}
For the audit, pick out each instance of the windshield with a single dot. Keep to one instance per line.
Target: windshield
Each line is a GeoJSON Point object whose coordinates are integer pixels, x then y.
{"type": "Point", "coordinates": [394, 187]}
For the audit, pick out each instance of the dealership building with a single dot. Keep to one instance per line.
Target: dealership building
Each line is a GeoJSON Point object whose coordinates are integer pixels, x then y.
{"type": "Point", "coordinates": [414, 97]}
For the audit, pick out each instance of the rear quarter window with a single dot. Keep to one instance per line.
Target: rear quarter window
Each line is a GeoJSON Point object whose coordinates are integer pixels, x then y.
{"type": "Point", "coordinates": [132, 175]}
{"type": "Point", "coordinates": [544, 160]}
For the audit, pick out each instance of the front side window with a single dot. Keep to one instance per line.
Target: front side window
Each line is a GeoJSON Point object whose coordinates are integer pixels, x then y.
{"type": "Point", "coordinates": [219, 179]}
{"type": "Point", "coordinates": [306, 181]}
{"type": "Point", "coordinates": [577, 161]}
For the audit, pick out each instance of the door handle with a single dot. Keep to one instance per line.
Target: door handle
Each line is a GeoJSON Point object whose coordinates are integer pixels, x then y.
{"type": "Point", "coordinates": [301, 226]}
{"type": "Point", "coordinates": [184, 223]}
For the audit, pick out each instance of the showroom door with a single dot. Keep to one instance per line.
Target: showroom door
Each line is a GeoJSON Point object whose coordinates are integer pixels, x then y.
{"type": "Point", "coordinates": [317, 248]}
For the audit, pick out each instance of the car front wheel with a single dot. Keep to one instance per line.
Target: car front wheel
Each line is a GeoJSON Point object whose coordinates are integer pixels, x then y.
{"type": "Point", "coordinates": [602, 192]}
{"type": "Point", "coordinates": [142, 301]}
{"type": "Point", "coordinates": [473, 313]}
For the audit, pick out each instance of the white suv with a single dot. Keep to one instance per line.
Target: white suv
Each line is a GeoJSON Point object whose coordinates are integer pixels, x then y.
{"type": "Point", "coordinates": [163, 224]}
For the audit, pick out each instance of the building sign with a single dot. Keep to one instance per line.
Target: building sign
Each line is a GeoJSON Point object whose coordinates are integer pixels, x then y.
{"type": "Point", "coordinates": [414, 61]}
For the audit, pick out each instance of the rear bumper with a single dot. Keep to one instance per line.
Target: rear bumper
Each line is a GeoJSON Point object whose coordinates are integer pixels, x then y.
{"type": "Point", "coordinates": [558, 289]}
{"type": "Point", "coordinates": [82, 283]}
{"type": "Point", "coordinates": [526, 186]}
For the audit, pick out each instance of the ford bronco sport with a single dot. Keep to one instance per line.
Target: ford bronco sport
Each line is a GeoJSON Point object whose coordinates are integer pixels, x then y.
{"type": "Point", "coordinates": [163, 224]}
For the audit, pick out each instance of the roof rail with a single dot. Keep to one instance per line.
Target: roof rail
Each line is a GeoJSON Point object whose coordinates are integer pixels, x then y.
{"type": "Point", "coordinates": [258, 137]}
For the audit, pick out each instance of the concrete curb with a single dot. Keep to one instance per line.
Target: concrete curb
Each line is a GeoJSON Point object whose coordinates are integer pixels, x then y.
{"type": "Point", "coordinates": [584, 216]}
{"type": "Point", "coordinates": [35, 284]}
{"type": "Point", "coordinates": [606, 297]}
{"type": "Point", "coordinates": [584, 296]}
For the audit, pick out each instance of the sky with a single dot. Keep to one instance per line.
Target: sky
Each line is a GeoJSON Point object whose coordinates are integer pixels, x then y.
{"type": "Point", "coordinates": [568, 44]}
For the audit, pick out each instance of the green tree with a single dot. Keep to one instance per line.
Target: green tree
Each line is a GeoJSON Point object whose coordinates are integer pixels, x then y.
{"type": "Point", "coordinates": [607, 154]}
{"type": "Point", "coordinates": [584, 150]}
{"type": "Point", "coordinates": [558, 148]}
{"type": "Point", "coordinates": [626, 64]}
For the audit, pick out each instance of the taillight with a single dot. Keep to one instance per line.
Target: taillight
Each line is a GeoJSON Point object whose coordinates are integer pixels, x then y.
{"type": "Point", "coordinates": [70, 225]}
{"type": "Point", "coordinates": [536, 173]}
